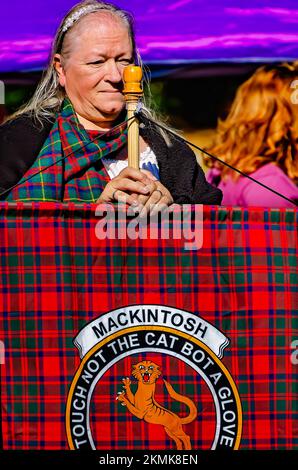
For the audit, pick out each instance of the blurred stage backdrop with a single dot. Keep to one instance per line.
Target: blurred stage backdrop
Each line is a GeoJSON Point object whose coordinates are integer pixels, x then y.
{"type": "Point", "coordinates": [198, 51]}
{"type": "Point", "coordinates": [168, 31]}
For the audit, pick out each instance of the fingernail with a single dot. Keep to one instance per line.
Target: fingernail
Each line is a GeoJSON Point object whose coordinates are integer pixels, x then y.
{"type": "Point", "coordinates": [146, 189]}
{"type": "Point", "coordinates": [143, 213]}
{"type": "Point", "coordinates": [135, 203]}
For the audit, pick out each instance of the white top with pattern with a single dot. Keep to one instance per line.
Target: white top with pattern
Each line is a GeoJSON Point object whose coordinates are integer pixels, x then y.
{"type": "Point", "coordinates": [148, 161]}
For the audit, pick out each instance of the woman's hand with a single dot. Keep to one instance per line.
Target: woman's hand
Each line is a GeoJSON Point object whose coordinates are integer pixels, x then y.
{"type": "Point", "coordinates": [126, 187]}
{"type": "Point", "coordinates": [158, 199]}
{"type": "Point", "coordinates": [138, 188]}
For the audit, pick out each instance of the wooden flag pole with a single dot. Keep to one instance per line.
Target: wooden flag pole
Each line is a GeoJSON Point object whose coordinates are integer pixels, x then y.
{"type": "Point", "coordinates": [132, 78]}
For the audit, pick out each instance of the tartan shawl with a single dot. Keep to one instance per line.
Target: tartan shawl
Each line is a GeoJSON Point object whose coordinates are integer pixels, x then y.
{"type": "Point", "coordinates": [57, 276]}
{"type": "Point", "coordinates": [81, 177]}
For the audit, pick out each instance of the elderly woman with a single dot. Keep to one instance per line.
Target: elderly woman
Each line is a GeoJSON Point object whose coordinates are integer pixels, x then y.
{"type": "Point", "coordinates": [72, 134]}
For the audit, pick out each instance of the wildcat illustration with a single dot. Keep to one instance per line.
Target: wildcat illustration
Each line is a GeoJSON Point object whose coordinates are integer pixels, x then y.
{"type": "Point", "coordinates": [143, 405]}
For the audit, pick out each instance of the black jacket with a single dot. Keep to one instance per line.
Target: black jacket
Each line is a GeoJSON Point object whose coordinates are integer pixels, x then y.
{"type": "Point", "coordinates": [21, 141]}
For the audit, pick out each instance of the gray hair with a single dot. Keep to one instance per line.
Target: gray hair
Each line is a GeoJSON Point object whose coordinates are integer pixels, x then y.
{"type": "Point", "coordinates": [49, 94]}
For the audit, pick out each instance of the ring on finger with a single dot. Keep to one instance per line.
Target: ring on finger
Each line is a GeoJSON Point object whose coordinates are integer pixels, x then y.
{"type": "Point", "coordinates": [161, 194]}
{"type": "Point", "coordinates": [113, 196]}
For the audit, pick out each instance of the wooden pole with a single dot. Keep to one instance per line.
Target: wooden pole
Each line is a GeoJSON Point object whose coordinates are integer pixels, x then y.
{"type": "Point", "coordinates": [132, 78]}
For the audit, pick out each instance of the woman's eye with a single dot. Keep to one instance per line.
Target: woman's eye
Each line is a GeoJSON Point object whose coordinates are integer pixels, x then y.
{"type": "Point", "coordinates": [124, 61]}
{"type": "Point", "coordinates": [97, 62]}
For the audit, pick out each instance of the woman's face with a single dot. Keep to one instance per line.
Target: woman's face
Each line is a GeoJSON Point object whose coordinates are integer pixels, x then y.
{"type": "Point", "coordinates": [96, 52]}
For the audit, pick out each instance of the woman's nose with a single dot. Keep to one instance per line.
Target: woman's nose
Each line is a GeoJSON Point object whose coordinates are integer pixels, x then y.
{"type": "Point", "coordinates": [113, 73]}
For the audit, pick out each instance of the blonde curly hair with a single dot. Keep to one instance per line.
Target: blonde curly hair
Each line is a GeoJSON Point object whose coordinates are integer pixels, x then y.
{"type": "Point", "coordinates": [262, 124]}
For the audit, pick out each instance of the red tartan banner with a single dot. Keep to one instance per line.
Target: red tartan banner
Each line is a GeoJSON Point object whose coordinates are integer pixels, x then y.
{"type": "Point", "coordinates": [141, 343]}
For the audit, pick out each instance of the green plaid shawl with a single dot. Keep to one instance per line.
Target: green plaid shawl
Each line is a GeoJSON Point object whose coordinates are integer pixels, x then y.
{"type": "Point", "coordinates": [80, 177]}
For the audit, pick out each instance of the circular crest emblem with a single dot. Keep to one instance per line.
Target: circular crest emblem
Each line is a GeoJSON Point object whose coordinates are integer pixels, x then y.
{"type": "Point", "coordinates": [144, 336]}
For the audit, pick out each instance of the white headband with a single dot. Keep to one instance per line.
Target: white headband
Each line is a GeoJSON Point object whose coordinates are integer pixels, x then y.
{"type": "Point", "coordinates": [75, 16]}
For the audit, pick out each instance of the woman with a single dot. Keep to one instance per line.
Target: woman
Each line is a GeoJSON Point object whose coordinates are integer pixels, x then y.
{"type": "Point", "coordinates": [260, 138]}
{"type": "Point", "coordinates": [75, 109]}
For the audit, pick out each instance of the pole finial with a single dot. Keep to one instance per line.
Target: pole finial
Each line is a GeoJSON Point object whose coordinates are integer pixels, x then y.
{"type": "Point", "coordinates": [132, 77]}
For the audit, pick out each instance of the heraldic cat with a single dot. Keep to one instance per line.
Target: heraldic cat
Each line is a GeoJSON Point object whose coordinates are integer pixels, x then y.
{"type": "Point", "coordinates": [143, 405]}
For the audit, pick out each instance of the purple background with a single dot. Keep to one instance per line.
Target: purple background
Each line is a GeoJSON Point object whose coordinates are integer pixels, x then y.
{"type": "Point", "coordinates": [168, 31]}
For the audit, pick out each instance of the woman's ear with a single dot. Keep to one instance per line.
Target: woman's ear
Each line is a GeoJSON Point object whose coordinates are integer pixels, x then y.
{"type": "Point", "coordinates": [59, 69]}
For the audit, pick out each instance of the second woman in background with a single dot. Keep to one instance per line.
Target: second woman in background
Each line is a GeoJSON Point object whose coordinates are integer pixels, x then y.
{"type": "Point", "coordinates": [260, 138]}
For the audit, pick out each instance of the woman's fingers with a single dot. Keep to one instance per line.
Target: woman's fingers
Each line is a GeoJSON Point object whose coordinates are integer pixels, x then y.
{"type": "Point", "coordinates": [126, 186]}
{"type": "Point", "coordinates": [129, 183]}
{"type": "Point", "coordinates": [138, 189]}
{"type": "Point", "coordinates": [121, 196]}
{"type": "Point", "coordinates": [135, 175]}
{"type": "Point", "coordinates": [149, 174]}
{"type": "Point", "coordinates": [154, 203]}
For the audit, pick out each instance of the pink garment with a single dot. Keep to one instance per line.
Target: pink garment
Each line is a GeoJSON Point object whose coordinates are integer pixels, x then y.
{"type": "Point", "coordinates": [245, 192]}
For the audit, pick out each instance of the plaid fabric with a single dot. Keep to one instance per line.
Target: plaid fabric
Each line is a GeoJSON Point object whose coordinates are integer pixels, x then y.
{"type": "Point", "coordinates": [57, 276]}
{"type": "Point", "coordinates": [80, 177]}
